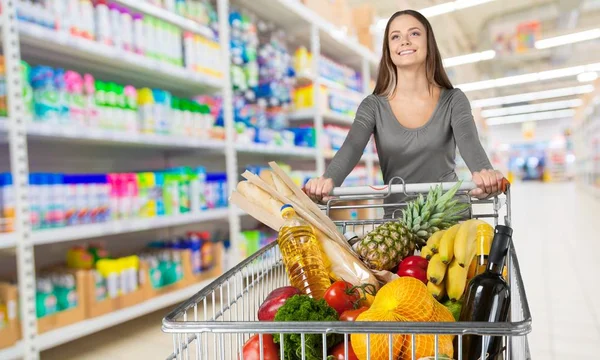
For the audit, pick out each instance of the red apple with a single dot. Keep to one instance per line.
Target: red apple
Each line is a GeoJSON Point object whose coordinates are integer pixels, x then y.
{"type": "Point", "coordinates": [413, 271]}
{"type": "Point", "coordinates": [417, 261]}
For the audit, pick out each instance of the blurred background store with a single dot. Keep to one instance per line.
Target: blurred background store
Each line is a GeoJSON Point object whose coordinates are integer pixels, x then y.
{"type": "Point", "coordinates": [131, 121]}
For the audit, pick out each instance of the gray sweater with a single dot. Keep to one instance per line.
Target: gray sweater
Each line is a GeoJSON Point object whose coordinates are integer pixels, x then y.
{"type": "Point", "coordinates": [424, 154]}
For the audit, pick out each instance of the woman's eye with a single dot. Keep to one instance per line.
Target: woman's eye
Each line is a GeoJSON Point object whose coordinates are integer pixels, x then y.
{"type": "Point", "coordinates": [394, 37]}
{"type": "Point", "coordinates": [415, 33]}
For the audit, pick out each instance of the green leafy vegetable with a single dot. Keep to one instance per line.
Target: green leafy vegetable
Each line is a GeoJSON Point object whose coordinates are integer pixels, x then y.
{"type": "Point", "coordinates": [305, 308]}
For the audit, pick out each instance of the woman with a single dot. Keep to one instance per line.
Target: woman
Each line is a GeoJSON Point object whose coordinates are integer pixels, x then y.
{"type": "Point", "coordinates": [416, 116]}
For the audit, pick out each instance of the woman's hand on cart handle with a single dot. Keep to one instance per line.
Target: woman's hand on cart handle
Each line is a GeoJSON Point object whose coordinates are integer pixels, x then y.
{"type": "Point", "coordinates": [489, 183]}
{"type": "Point", "coordinates": [318, 189]}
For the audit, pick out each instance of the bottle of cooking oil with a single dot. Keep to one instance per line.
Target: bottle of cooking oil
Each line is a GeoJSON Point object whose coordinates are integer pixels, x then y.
{"type": "Point", "coordinates": [302, 255]}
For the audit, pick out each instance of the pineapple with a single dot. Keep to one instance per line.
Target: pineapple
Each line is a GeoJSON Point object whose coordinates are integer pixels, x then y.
{"type": "Point", "coordinates": [388, 244]}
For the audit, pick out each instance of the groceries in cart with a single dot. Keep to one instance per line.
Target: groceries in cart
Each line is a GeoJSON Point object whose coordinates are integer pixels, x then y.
{"type": "Point", "coordinates": [427, 266]}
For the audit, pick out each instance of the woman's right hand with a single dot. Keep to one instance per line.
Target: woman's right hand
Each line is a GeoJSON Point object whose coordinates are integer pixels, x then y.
{"type": "Point", "coordinates": [318, 189]}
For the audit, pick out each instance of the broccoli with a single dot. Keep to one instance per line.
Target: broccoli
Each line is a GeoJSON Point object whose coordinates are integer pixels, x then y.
{"type": "Point", "coordinates": [305, 308]}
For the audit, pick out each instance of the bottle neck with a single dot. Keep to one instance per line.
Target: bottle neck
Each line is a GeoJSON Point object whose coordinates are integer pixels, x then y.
{"type": "Point", "coordinates": [495, 268]}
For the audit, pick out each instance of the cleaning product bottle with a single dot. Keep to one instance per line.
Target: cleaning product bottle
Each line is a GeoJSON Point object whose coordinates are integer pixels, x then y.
{"type": "Point", "coordinates": [45, 299]}
{"type": "Point", "coordinates": [302, 255]}
{"type": "Point", "coordinates": [159, 193]}
{"type": "Point", "coordinates": [34, 192]}
{"type": "Point", "coordinates": [57, 201]}
{"type": "Point", "coordinates": [131, 109]}
{"type": "Point", "coordinates": [115, 25]}
{"type": "Point", "coordinates": [103, 28]}
{"type": "Point", "coordinates": [139, 44]}
{"type": "Point", "coordinates": [100, 286]}
{"type": "Point", "coordinates": [147, 120]}
{"type": "Point", "coordinates": [45, 95]}
{"type": "Point", "coordinates": [65, 291]}
{"type": "Point", "coordinates": [63, 96]}
{"type": "Point", "coordinates": [127, 29]}
{"type": "Point", "coordinates": [110, 272]}
{"type": "Point", "coordinates": [76, 103]}
{"type": "Point", "coordinates": [7, 203]}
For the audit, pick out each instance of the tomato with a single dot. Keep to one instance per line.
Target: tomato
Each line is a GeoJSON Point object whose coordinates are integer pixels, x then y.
{"type": "Point", "coordinates": [351, 315]}
{"type": "Point", "coordinates": [342, 296]}
{"type": "Point", "coordinates": [339, 353]}
{"type": "Point", "coordinates": [414, 261]}
{"type": "Point", "coordinates": [251, 349]}
{"type": "Point", "coordinates": [413, 271]}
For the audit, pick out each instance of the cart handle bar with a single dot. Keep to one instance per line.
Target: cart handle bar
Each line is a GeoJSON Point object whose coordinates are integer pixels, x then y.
{"type": "Point", "coordinates": [404, 188]}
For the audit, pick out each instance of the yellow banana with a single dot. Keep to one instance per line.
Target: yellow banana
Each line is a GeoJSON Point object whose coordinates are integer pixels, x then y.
{"type": "Point", "coordinates": [456, 280]}
{"type": "Point", "coordinates": [434, 241]}
{"type": "Point", "coordinates": [426, 252]}
{"type": "Point", "coordinates": [447, 244]}
{"type": "Point", "coordinates": [465, 244]}
{"type": "Point", "coordinates": [438, 291]}
{"type": "Point", "coordinates": [436, 270]}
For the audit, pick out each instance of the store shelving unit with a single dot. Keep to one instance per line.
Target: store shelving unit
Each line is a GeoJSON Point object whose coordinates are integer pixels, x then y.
{"type": "Point", "coordinates": [34, 42]}
{"type": "Point", "coordinates": [586, 139]}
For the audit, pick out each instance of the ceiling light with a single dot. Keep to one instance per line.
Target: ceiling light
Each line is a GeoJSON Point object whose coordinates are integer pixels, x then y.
{"type": "Point", "coordinates": [587, 76]}
{"type": "Point", "coordinates": [440, 9]}
{"type": "Point", "coordinates": [524, 109]}
{"type": "Point", "coordinates": [451, 7]}
{"type": "Point", "coordinates": [532, 96]}
{"type": "Point", "coordinates": [528, 78]}
{"type": "Point", "coordinates": [568, 39]}
{"type": "Point", "coordinates": [469, 58]}
{"type": "Point", "coordinates": [548, 115]}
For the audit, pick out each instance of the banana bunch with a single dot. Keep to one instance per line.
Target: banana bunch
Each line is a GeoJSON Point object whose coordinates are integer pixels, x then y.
{"type": "Point", "coordinates": [452, 259]}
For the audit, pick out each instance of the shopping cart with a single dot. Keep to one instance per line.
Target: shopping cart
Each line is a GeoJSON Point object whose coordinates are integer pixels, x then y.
{"type": "Point", "coordinates": [216, 322]}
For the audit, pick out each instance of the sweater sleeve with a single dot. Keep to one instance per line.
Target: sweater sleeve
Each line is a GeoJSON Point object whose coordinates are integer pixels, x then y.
{"type": "Point", "coordinates": [465, 134]}
{"type": "Point", "coordinates": [354, 145]}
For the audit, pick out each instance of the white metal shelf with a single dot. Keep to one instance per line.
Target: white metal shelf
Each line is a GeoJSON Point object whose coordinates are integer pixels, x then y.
{"type": "Point", "coordinates": [12, 353]}
{"type": "Point", "coordinates": [47, 45]}
{"type": "Point", "coordinates": [77, 134]}
{"type": "Point", "coordinates": [7, 240]}
{"type": "Point", "coordinates": [68, 233]}
{"type": "Point", "coordinates": [162, 14]}
{"type": "Point", "coordinates": [329, 117]}
{"type": "Point", "coordinates": [297, 152]}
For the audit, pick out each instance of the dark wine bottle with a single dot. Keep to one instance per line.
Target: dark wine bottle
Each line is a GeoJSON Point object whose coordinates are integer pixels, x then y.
{"type": "Point", "coordinates": [488, 299]}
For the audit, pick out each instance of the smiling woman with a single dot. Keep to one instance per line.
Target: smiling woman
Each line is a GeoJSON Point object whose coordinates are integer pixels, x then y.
{"type": "Point", "coordinates": [417, 117]}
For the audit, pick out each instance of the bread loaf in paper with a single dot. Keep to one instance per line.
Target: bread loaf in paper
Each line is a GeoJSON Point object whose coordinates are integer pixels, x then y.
{"type": "Point", "coordinates": [259, 197]}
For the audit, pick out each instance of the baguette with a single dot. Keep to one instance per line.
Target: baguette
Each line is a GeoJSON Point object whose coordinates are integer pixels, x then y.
{"type": "Point", "coordinates": [259, 197]}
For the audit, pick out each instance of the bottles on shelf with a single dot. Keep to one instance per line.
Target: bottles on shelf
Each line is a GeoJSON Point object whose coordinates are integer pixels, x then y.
{"type": "Point", "coordinates": [113, 25]}
{"type": "Point", "coordinates": [71, 99]}
{"type": "Point", "coordinates": [487, 298]}
{"type": "Point", "coordinates": [58, 200]}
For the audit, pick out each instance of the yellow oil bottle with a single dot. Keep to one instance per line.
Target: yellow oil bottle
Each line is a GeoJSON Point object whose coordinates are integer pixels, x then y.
{"type": "Point", "coordinates": [302, 255]}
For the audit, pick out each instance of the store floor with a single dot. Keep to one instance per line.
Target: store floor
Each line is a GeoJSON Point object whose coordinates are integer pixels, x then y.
{"type": "Point", "coordinates": [557, 242]}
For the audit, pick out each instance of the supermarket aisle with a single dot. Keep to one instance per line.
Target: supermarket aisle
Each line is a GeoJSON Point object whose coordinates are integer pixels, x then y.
{"type": "Point", "coordinates": [556, 239]}
{"type": "Point", "coordinates": [557, 245]}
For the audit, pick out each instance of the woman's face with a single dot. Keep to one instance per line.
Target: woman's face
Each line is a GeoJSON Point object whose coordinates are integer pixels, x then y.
{"type": "Point", "coordinates": [407, 41]}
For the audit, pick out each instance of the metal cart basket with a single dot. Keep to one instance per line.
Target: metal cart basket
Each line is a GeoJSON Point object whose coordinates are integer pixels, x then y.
{"type": "Point", "coordinates": [217, 321]}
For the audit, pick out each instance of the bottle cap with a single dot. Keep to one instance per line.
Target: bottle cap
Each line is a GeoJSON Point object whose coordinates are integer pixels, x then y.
{"type": "Point", "coordinates": [351, 237]}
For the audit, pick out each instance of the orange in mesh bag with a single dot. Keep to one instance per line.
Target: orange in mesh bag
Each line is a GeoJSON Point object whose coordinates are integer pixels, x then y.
{"type": "Point", "coordinates": [404, 299]}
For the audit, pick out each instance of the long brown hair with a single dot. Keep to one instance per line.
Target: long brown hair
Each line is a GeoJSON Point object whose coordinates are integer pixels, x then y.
{"type": "Point", "coordinates": [387, 78]}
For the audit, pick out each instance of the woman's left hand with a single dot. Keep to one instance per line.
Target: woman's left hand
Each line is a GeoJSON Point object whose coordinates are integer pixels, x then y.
{"type": "Point", "coordinates": [489, 183]}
